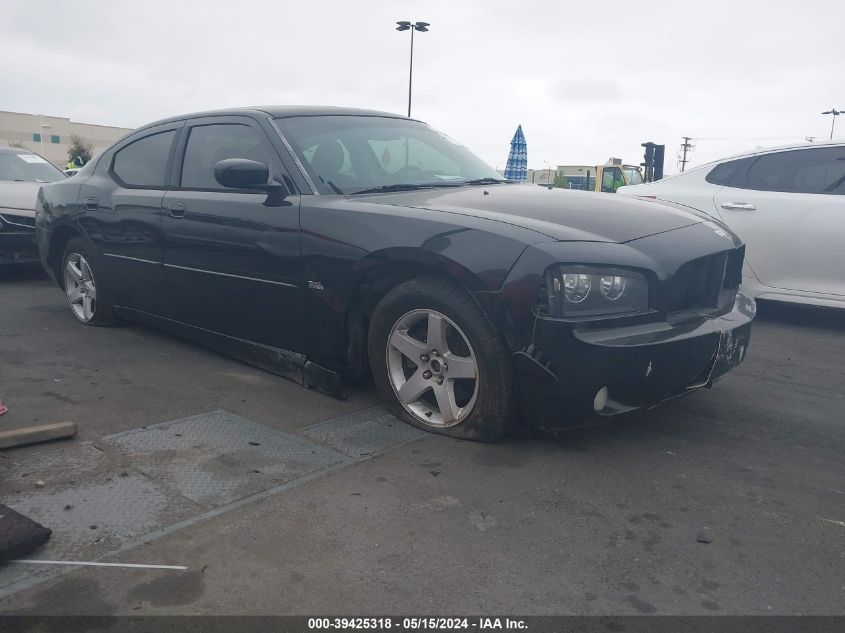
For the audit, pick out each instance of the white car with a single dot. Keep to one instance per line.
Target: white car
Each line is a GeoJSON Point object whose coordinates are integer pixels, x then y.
{"type": "Point", "coordinates": [787, 204]}
{"type": "Point", "coordinates": [21, 175]}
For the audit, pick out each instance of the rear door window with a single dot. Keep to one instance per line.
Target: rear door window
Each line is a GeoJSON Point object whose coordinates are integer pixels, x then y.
{"type": "Point", "coordinates": [817, 170]}
{"type": "Point", "coordinates": [143, 163]}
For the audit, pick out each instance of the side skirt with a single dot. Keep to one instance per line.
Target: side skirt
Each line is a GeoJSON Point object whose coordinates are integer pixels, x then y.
{"type": "Point", "coordinates": [282, 362]}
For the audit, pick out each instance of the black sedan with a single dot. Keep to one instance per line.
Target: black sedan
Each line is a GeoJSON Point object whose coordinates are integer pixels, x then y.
{"type": "Point", "coordinates": [320, 242]}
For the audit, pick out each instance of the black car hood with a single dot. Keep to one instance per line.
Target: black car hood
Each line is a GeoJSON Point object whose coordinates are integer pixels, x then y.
{"type": "Point", "coordinates": [560, 214]}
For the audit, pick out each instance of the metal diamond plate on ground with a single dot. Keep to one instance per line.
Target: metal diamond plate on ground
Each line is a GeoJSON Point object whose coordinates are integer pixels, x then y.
{"type": "Point", "coordinates": [363, 433]}
{"type": "Point", "coordinates": [142, 484]}
{"type": "Point", "coordinates": [217, 458]}
{"type": "Point", "coordinates": [93, 505]}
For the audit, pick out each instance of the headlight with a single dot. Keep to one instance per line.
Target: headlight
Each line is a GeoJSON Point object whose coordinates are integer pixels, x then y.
{"type": "Point", "coordinates": [580, 291]}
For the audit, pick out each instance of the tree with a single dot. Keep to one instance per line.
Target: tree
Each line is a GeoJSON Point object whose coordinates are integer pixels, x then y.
{"type": "Point", "coordinates": [79, 148]}
{"type": "Point", "coordinates": [561, 181]}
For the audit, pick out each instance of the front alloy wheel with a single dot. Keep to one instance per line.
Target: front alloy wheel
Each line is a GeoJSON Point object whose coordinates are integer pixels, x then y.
{"type": "Point", "coordinates": [80, 288]}
{"type": "Point", "coordinates": [439, 362]}
{"type": "Point", "coordinates": [432, 368]}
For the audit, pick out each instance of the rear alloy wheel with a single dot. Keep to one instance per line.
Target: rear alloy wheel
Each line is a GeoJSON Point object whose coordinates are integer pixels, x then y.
{"type": "Point", "coordinates": [85, 289]}
{"type": "Point", "coordinates": [439, 362]}
{"type": "Point", "coordinates": [80, 288]}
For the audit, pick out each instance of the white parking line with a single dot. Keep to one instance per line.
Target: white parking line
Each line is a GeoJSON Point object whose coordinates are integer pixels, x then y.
{"type": "Point", "coordinates": [95, 564]}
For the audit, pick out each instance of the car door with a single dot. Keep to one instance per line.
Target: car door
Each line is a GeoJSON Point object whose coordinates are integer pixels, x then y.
{"type": "Point", "coordinates": [789, 208]}
{"type": "Point", "coordinates": [232, 258]}
{"type": "Point", "coordinates": [123, 203]}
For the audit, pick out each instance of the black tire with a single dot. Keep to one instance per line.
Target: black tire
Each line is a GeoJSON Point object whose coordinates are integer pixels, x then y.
{"type": "Point", "coordinates": [103, 312]}
{"type": "Point", "coordinates": [493, 411]}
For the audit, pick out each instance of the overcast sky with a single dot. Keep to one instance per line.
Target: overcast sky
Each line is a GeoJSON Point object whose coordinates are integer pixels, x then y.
{"type": "Point", "coordinates": [587, 80]}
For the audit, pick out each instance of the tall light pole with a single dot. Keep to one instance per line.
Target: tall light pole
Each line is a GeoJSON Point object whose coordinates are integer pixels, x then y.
{"type": "Point", "coordinates": [549, 174]}
{"type": "Point", "coordinates": [422, 27]}
{"type": "Point", "coordinates": [835, 113]}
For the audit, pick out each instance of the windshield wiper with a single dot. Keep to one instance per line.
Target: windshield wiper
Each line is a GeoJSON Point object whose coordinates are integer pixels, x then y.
{"type": "Point", "coordinates": [486, 181]}
{"type": "Point", "coordinates": [406, 186]}
{"type": "Point", "coordinates": [332, 186]}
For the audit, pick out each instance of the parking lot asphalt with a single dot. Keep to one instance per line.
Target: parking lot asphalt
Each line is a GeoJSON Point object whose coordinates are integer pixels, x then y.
{"type": "Point", "coordinates": [605, 520]}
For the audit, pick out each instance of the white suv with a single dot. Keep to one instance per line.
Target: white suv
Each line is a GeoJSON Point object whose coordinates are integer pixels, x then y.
{"type": "Point", "coordinates": [787, 204]}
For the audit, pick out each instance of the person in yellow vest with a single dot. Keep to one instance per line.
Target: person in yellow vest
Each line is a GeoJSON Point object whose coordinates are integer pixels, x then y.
{"type": "Point", "coordinates": [618, 181]}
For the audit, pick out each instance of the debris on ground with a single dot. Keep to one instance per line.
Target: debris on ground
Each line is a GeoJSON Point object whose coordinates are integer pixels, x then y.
{"type": "Point", "coordinates": [19, 535]}
{"type": "Point", "coordinates": [36, 434]}
{"type": "Point", "coordinates": [704, 536]}
{"type": "Point", "coordinates": [3, 408]}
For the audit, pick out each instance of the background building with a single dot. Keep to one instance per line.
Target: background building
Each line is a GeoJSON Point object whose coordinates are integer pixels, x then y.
{"type": "Point", "coordinates": [50, 135]}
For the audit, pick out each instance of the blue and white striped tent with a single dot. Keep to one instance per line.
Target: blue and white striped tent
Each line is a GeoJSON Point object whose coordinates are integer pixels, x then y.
{"type": "Point", "coordinates": [517, 166]}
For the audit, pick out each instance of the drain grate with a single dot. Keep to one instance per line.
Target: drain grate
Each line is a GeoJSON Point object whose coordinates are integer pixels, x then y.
{"type": "Point", "coordinates": [363, 433]}
{"type": "Point", "coordinates": [90, 499]}
{"type": "Point", "coordinates": [139, 485]}
{"type": "Point", "coordinates": [216, 458]}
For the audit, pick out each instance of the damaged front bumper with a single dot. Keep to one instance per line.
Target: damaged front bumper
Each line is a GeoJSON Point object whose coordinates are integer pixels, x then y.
{"type": "Point", "coordinates": [579, 375]}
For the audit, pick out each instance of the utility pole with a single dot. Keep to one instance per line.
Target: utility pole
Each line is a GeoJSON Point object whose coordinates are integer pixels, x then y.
{"type": "Point", "coordinates": [685, 147]}
{"type": "Point", "coordinates": [835, 113]}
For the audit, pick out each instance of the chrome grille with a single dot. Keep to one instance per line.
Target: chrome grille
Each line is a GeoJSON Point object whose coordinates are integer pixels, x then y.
{"type": "Point", "coordinates": [17, 221]}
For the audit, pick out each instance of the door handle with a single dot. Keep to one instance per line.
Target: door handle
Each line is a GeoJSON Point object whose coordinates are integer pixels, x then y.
{"type": "Point", "coordinates": [92, 204]}
{"type": "Point", "coordinates": [176, 209]}
{"type": "Point", "coordinates": [739, 206]}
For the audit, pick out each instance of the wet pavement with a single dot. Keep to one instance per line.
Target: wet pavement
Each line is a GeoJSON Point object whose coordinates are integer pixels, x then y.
{"type": "Point", "coordinates": [382, 519]}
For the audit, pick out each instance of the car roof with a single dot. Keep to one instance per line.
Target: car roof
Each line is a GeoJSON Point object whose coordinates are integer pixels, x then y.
{"type": "Point", "coordinates": [788, 146]}
{"type": "Point", "coordinates": [754, 152]}
{"type": "Point", "coordinates": [281, 111]}
{"type": "Point", "coordinates": [776, 148]}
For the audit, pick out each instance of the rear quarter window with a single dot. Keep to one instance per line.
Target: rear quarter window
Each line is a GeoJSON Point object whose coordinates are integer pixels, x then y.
{"type": "Point", "coordinates": [730, 173]}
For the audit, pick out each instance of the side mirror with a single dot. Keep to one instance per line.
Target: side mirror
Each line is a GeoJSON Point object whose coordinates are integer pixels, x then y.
{"type": "Point", "coordinates": [240, 173]}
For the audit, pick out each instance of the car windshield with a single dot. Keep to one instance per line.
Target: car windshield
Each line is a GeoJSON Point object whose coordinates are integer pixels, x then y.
{"type": "Point", "coordinates": [24, 166]}
{"type": "Point", "coordinates": [357, 154]}
{"type": "Point", "coordinates": [632, 175]}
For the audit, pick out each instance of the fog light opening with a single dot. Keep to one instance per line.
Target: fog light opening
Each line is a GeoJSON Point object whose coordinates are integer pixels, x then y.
{"type": "Point", "coordinates": [600, 401]}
